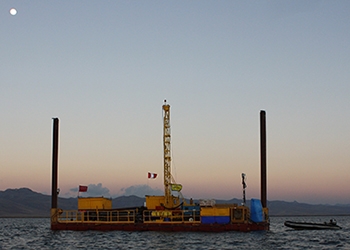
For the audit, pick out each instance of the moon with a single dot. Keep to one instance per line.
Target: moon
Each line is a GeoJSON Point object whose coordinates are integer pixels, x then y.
{"type": "Point", "coordinates": [13, 11]}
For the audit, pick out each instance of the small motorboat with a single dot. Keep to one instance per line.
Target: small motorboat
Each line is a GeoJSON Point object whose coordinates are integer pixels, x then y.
{"type": "Point", "coordinates": [332, 224]}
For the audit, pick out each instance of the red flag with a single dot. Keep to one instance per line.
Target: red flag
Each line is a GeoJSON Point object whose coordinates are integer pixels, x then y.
{"type": "Point", "coordinates": [152, 175]}
{"type": "Point", "coordinates": [83, 188]}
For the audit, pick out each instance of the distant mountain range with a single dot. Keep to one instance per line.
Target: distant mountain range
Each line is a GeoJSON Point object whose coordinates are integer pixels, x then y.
{"type": "Point", "coordinates": [24, 202]}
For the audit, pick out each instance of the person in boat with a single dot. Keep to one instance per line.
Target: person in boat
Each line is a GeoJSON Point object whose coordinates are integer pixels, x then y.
{"type": "Point", "coordinates": [331, 222]}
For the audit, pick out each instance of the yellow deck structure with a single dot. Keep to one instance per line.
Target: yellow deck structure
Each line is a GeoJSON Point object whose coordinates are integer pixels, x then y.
{"type": "Point", "coordinates": [87, 203]}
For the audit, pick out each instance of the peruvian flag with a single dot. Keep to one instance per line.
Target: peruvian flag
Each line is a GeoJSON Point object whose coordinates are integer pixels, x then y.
{"type": "Point", "coordinates": [83, 188]}
{"type": "Point", "coordinates": [152, 175]}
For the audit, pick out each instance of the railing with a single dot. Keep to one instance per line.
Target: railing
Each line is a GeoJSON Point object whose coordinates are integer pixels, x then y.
{"type": "Point", "coordinates": [174, 216]}
{"type": "Point", "coordinates": [112, 216]}
{"type": "Point", "coordinates": [128, 216]}
{"type": "Point", "coordinates": [237, 215]}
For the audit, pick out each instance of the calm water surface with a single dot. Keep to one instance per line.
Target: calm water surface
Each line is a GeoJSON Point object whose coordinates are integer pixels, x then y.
{"type": "Point", "coordinates": [28, 233]}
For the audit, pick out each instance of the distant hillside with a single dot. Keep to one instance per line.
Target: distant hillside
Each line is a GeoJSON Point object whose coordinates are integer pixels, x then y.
{"type": "Point", "coordinates": [24, 202]}
{"type": "Point", "coordinates": [282, 208]}
{"type": "Point", "coordinates": [128, 201]}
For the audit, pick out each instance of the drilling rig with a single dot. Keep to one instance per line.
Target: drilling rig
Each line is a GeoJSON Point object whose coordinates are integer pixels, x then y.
{"type": "Point", "coordinates": [169, 182]}
{"type": "Point", "coordinates": [163, 212]}
{"type": "Point", "coordinates": [167, 155]}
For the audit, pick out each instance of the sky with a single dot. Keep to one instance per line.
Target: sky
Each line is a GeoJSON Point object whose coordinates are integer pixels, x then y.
{"type": "Point", "coordinates": [104, 68]}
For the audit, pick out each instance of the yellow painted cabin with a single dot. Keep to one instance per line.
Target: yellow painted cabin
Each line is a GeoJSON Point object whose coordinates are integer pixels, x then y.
{"type": "Point", "coordinates": [88, 203]}
{"type": "Point", "coordinates": [153, 202]}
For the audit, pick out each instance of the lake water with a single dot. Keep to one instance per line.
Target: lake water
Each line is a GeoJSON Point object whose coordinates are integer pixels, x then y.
{"type": "Point", "coordinates": [29, 233]}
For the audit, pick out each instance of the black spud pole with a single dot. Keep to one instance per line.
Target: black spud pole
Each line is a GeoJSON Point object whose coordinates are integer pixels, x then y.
{"type": "Point", "coordinates": [263, 157]}
{"type": "Point", "coordinates": [54, 188]}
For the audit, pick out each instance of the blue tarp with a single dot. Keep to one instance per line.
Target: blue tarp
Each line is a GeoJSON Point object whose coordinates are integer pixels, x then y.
{"type": "Point", "coordinates": [256, 211]}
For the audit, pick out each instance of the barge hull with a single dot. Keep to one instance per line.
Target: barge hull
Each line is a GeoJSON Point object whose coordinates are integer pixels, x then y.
{"type": "Point", "coordinates": [241, 227]}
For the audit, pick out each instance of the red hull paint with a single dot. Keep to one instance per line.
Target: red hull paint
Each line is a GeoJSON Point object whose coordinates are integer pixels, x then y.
{"type": "Point", "coordinates": [242, 227]}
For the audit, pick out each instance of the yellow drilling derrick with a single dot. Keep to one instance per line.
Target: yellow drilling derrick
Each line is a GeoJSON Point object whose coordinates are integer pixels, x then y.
{"type": "Point", "coordinates": [167, 155]}
{"type": "Point", "coordinates": [169, 182]}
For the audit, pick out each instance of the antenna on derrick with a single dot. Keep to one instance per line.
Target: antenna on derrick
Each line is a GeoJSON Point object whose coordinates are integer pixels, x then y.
{"type": "Point", "coordinates": [244, 187]}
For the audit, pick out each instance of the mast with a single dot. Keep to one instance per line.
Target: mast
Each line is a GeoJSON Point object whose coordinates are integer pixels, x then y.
{"type": "Point", "coordinates": [244, 187]}
{"type": "Point", "coordinates": [167, 154]}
